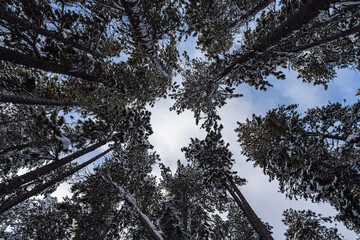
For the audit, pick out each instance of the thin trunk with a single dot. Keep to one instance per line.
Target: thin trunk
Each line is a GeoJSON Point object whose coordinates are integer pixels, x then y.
{"type": "Point", "coordinates": [43, 64]}
{"type": "Point", "coordinates": [303, 16]}
{"type": "Point", "coordinates": [15, 20]}
{"type": "Point", "coordinates": [130, 200]}
{"type": "Point", "coordinates": [258, 226]}
{"type": "Point", "coordinates": [34, 101]}
{"type": "Point", "coordinates": [27, 177]}
{"type": "Point", "coordinates": [326, 40]}
{"type": "Point", "coordinates": [13, 202]}
{"type": "Point", "coordinates": [143, 31]}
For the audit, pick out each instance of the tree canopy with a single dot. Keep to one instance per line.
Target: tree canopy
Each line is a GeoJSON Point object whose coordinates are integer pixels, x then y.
{"type": "Point", "coordinates": [77, 83]}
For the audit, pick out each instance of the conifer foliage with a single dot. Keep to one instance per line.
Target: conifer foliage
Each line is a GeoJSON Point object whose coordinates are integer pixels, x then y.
{"type": "Point", "coordinates": [308, 225]}
{"type": "Point", "coordinates": [78, 79]}
{"type": "Point", "coordinates": [313, 156]}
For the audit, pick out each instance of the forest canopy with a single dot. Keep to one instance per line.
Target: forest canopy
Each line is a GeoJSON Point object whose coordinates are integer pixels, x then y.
{"type": "Point", "coordinates": [78, 80]}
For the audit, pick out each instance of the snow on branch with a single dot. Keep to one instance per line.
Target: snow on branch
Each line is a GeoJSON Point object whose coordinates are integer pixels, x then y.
{"type": "Point", "coordinates": [294, 22]}
{"type": "Point", "coordinates": [129, 199]}
{"type": "Point", "coordinates": [143, 30]}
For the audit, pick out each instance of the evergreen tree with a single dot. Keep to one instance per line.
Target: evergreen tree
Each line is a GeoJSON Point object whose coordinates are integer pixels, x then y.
{"type": "Point", "coordinates": [75, 77]}
{"type": "Point", "coordinates": [70, 38]}
{"type": "Point", "coordinates": [238, 226]}
{"type": "Point", "coordinates": [307, 225]}
{"type": "Point", "coordinates": [215, 23]}
{"type": "Point", "coordinates": [40, 219]}
{"type": "Point", "coordinates": [191, 202]}
{"type": "Point", "coordinates": [214, 160]}
{"type": "Point", "coordinates": [129, 169]}
{"type": "Point", "coordinates": [314, 38]}
{"type": "Point", "coordinates": [314, 156]}
{"type": "Point", "coordinates": [132, 127]}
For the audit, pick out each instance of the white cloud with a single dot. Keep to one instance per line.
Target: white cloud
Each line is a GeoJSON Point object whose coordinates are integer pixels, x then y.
{"type": "Point", "coordinates": [171, 132]}
{"type": "Point", "coordinates": [346, 85]}
{"type": "Point", "coordinates": [263, 195]}
{"type": "Point", "coordinates": [305, 94]}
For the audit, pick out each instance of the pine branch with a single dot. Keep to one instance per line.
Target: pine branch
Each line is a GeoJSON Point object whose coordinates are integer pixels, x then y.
{"type": "Point", "coordinates": [304, 15]}
{"type": "Point", "coordinates": [326, 40]}
{"type": "Point", "coordinates": [13, 148]}
{"type": "Point", "coordinates": [14, 121]}
{"type": "Point", "coordinates": [43, 64]}
{"type": "Point", "coordinates": [335, 137]}
{"type": "Point", "coordinates": [143, 32]}
{"type": "Point", "coordinates": [254, 10]}
{"type": "Point", "coordinates": [14, 20]}
{"type": "Point", "coordinates": [129, 199]}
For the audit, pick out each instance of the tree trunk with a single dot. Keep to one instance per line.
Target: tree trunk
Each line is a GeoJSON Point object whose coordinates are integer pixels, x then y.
{"type": "Point", "coordinates": [43, 64]}
{"type": "Point", "coordinates": [13, 202]}
{"type": "Point", "coordinates": [15, 20]}
{"type": "Point", "coordinates": [34, 101]}
{"type": "Point", "coordinates": [304, 15]}
{"type": "Point", "coordinates": [130, 200]}
{"type": "Point", "coordinates": [248, 211]}
{"type": "Point", "coordinates": [143, 31]}
{"type": "Point", "coordinates": [27, 177]}
{"type": "Point", "coordinates": [326, 40]}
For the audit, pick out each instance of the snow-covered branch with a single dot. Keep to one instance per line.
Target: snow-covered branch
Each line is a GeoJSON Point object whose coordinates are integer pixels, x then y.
{"type": "Point", "coordinates": [143, 31]}
{"type": "Point", "coordinates": [129, 199]}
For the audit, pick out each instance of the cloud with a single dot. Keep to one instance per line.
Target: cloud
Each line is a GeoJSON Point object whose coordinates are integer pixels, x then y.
{"type": "Point", "coordinates": [294, 91]}
{"type": "Point", "coordinates": [171, 131]}
{"type": "Point", "coordinates": [263, 195]}
{"type": "Point", "coordinates": [345, 86]}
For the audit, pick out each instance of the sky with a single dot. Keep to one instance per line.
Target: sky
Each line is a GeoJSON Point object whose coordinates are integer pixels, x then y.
{"type": "Point", "coordinates": [172, 132]}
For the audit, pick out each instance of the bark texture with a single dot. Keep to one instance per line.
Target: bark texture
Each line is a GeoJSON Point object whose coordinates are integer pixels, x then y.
{"type": "Point", "coordinates": [303, 16]}
{"type": "Point", "coordinates": [256, 223]}
{"type": "Point", "coordinates": [34, 101]}
{"type": "Point", "coordinates": [27, 177]}
{"type": "Point", "coordinates": [38, 189]}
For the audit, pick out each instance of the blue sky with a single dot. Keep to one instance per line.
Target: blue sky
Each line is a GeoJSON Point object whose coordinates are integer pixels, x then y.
{"type": "Point", "coordinates": [172, 132]}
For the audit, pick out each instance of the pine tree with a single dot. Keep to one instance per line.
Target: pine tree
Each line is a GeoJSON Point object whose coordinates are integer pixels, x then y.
{"type": "Point", "coordinates": [128, 169]}
{"type": "Point", "coordinates": [312, 156]}
{"type": "Point", "coordinates": [72, 40]}
{"type": "Point", "coordinates": [40, 219]}
{"type": "Point", "coordinates": [308, 225]}
{"type": "Point", "coordinates": [191, 202]}
{"type": "Point", "coordinates": [239, 226]}
{"type": "Point", "coordinates": [133, 127]}
{"type": "Point", "coordinates": [75, 76]}
{"type": "Point", "coordinates": [314, 38]}
{"type": "Point", "coordinates": [217, 22]}
{"type": "Point", "coordinates": [214, 160]}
